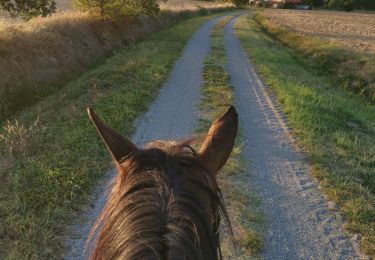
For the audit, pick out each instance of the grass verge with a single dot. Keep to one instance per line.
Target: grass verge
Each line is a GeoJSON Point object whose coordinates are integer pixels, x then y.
{"type": "Point", "coordinates": [52, 153]}
{"type": "Point", "coordinates": [336, 127]}
{"type": "Point", "coordinates": [346, 69]}
{"type": "Point", "coordinates": [233, 180]}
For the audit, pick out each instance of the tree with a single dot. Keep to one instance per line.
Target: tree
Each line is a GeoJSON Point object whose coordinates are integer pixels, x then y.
{"type": "Point", "coordinates": [348, 5]}
{"type": "Point", "coordinates": [351, 4]}
{"type": "Point", "coordinates": [28, 9]}
{"type": "Point", "coordinates": [318, 2]}
{"type": "Point", "coordinates": [119, 8]}
{"type": "Point", "coordinates": [236, 2]}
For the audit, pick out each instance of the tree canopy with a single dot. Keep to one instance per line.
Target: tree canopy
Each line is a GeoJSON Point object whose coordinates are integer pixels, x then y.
{"type": "Point", "coordinates": [351, 4]}
{"type": "Point", "coordinates": [28, 9]}
{"type": "Point", "coordinates": [119, 8]}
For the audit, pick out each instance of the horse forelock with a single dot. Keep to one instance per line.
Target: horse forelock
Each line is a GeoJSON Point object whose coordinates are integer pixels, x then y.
{"type": "Point", "coordinates": [153, 210]}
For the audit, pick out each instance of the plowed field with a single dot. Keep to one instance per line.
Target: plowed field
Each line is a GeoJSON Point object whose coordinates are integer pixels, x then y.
{"type": "Point", "coordinates": [354, 31]}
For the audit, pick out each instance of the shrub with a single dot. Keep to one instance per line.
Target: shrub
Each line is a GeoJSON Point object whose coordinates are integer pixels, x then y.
{"type": "Point", "coordinates": [131, 9]}
{"type": "Point", "coordinates": [238, 2]}
{"type": "Point", "coordinates": [349, 5]}
{"type": "Point", "coordinates": [28, 9]}
{"type": "Point", "coordinates": [15, 138]}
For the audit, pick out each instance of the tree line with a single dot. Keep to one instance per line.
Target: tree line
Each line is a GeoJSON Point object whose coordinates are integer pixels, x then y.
{"type": "Point", "coordinates": [28, 9]}
{"type": "Point", "coordinates": [347, 5]}
{"type": "Point", "coordinates": [350, 5]}
{"type": "Point", "coordinates": [131, 9]}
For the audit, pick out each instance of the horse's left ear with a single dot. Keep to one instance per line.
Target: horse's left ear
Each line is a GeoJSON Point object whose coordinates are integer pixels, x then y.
{"type": "Point", "coordinates": [219, 141]}
{"type": "Point", "coordinates": [118, 145]}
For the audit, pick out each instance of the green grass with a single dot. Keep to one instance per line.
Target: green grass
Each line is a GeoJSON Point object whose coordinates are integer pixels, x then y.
{"type": "Point", "coordinates": [241, 202]}
{"type": "Point", "coordinates": [336, 127]}
{"type": "Point", "coordinates": [55, 155]}
{"type": "Point", "coordinates": [346, 69]}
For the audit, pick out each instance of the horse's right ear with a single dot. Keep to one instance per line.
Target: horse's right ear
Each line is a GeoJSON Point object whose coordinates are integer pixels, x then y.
{"type": "Point", "coordinates": [219, 141]}
{"type": "Point", "coordinates": [118, 145]}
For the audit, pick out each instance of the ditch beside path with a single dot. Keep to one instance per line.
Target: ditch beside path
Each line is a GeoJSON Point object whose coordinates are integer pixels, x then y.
{"type": "Point", "coordinates": [299, 223]}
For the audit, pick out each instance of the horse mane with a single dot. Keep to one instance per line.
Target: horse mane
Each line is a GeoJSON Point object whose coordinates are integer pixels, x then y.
{"type": "Point", "coordinates": [153, 212]}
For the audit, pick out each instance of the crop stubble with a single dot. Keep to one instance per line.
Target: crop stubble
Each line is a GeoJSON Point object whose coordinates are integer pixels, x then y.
{"type": "Point", "coordinates": [352, 31]}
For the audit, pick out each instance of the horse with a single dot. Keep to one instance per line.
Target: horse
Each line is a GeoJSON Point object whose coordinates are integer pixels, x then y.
{"type": "Point", "coordinates": [164, 202]}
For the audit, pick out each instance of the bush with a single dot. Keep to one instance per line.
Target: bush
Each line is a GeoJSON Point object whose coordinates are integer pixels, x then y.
{"type": "Point", "coordinates": [238, 2]}
{"type": "Point", "coordinates": [349, 5]}
{"type": "Point", "coordinates": [318, 2]}
{"type": "Point", "coordinates": [131, 9]}
{"type": "Point", "coordinates": [28, 9]}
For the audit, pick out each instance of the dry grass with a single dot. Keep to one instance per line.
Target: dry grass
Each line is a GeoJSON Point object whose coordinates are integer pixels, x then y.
{"type": "Point", "coordinates": [353, 31]}
{"type": "Point", "coordinates": [178, 5]}
{"type": "Point", "coordinates": [38, 55]}
{"type": "Point", "coordinates": [45, 51]}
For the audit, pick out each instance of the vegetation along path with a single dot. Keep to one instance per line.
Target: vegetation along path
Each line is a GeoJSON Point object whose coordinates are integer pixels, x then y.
{"type": "Point", "coordinates": [299, 223]}
{"type": "Point", "coordinates": [173, 115]}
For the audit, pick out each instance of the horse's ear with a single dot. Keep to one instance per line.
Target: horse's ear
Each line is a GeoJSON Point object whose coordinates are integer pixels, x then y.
{"type": "Point", "coordinates": [118, 146]}
{"type": "Point", "coordinates": [218, 144]}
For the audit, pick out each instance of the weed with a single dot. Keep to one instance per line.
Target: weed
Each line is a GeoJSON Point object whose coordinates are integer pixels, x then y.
{"type": "Point", "coordinates": [15, 138]}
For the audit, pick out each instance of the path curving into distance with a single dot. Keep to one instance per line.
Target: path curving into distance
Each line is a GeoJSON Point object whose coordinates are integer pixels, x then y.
{"type": "Point", "coordinates": [173, 115]}
{"type": "Point", "coordinates": [299, 223]}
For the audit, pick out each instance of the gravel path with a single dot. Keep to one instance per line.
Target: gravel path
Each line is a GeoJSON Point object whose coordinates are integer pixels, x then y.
{"type": "Point", "coordinates": [172, 115]}
{"type": "Point", "coordinates": [299, 222]}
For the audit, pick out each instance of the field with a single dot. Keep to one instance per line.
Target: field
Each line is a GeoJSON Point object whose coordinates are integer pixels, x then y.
{"type": "Point", "coordinates": [343, 55]}
{"type": "Point", "coordinates": [352, 31]}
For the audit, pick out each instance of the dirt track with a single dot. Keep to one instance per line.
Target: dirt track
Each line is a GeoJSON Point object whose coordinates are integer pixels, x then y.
{"type": "Point", "coordinates": [300, 226]}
